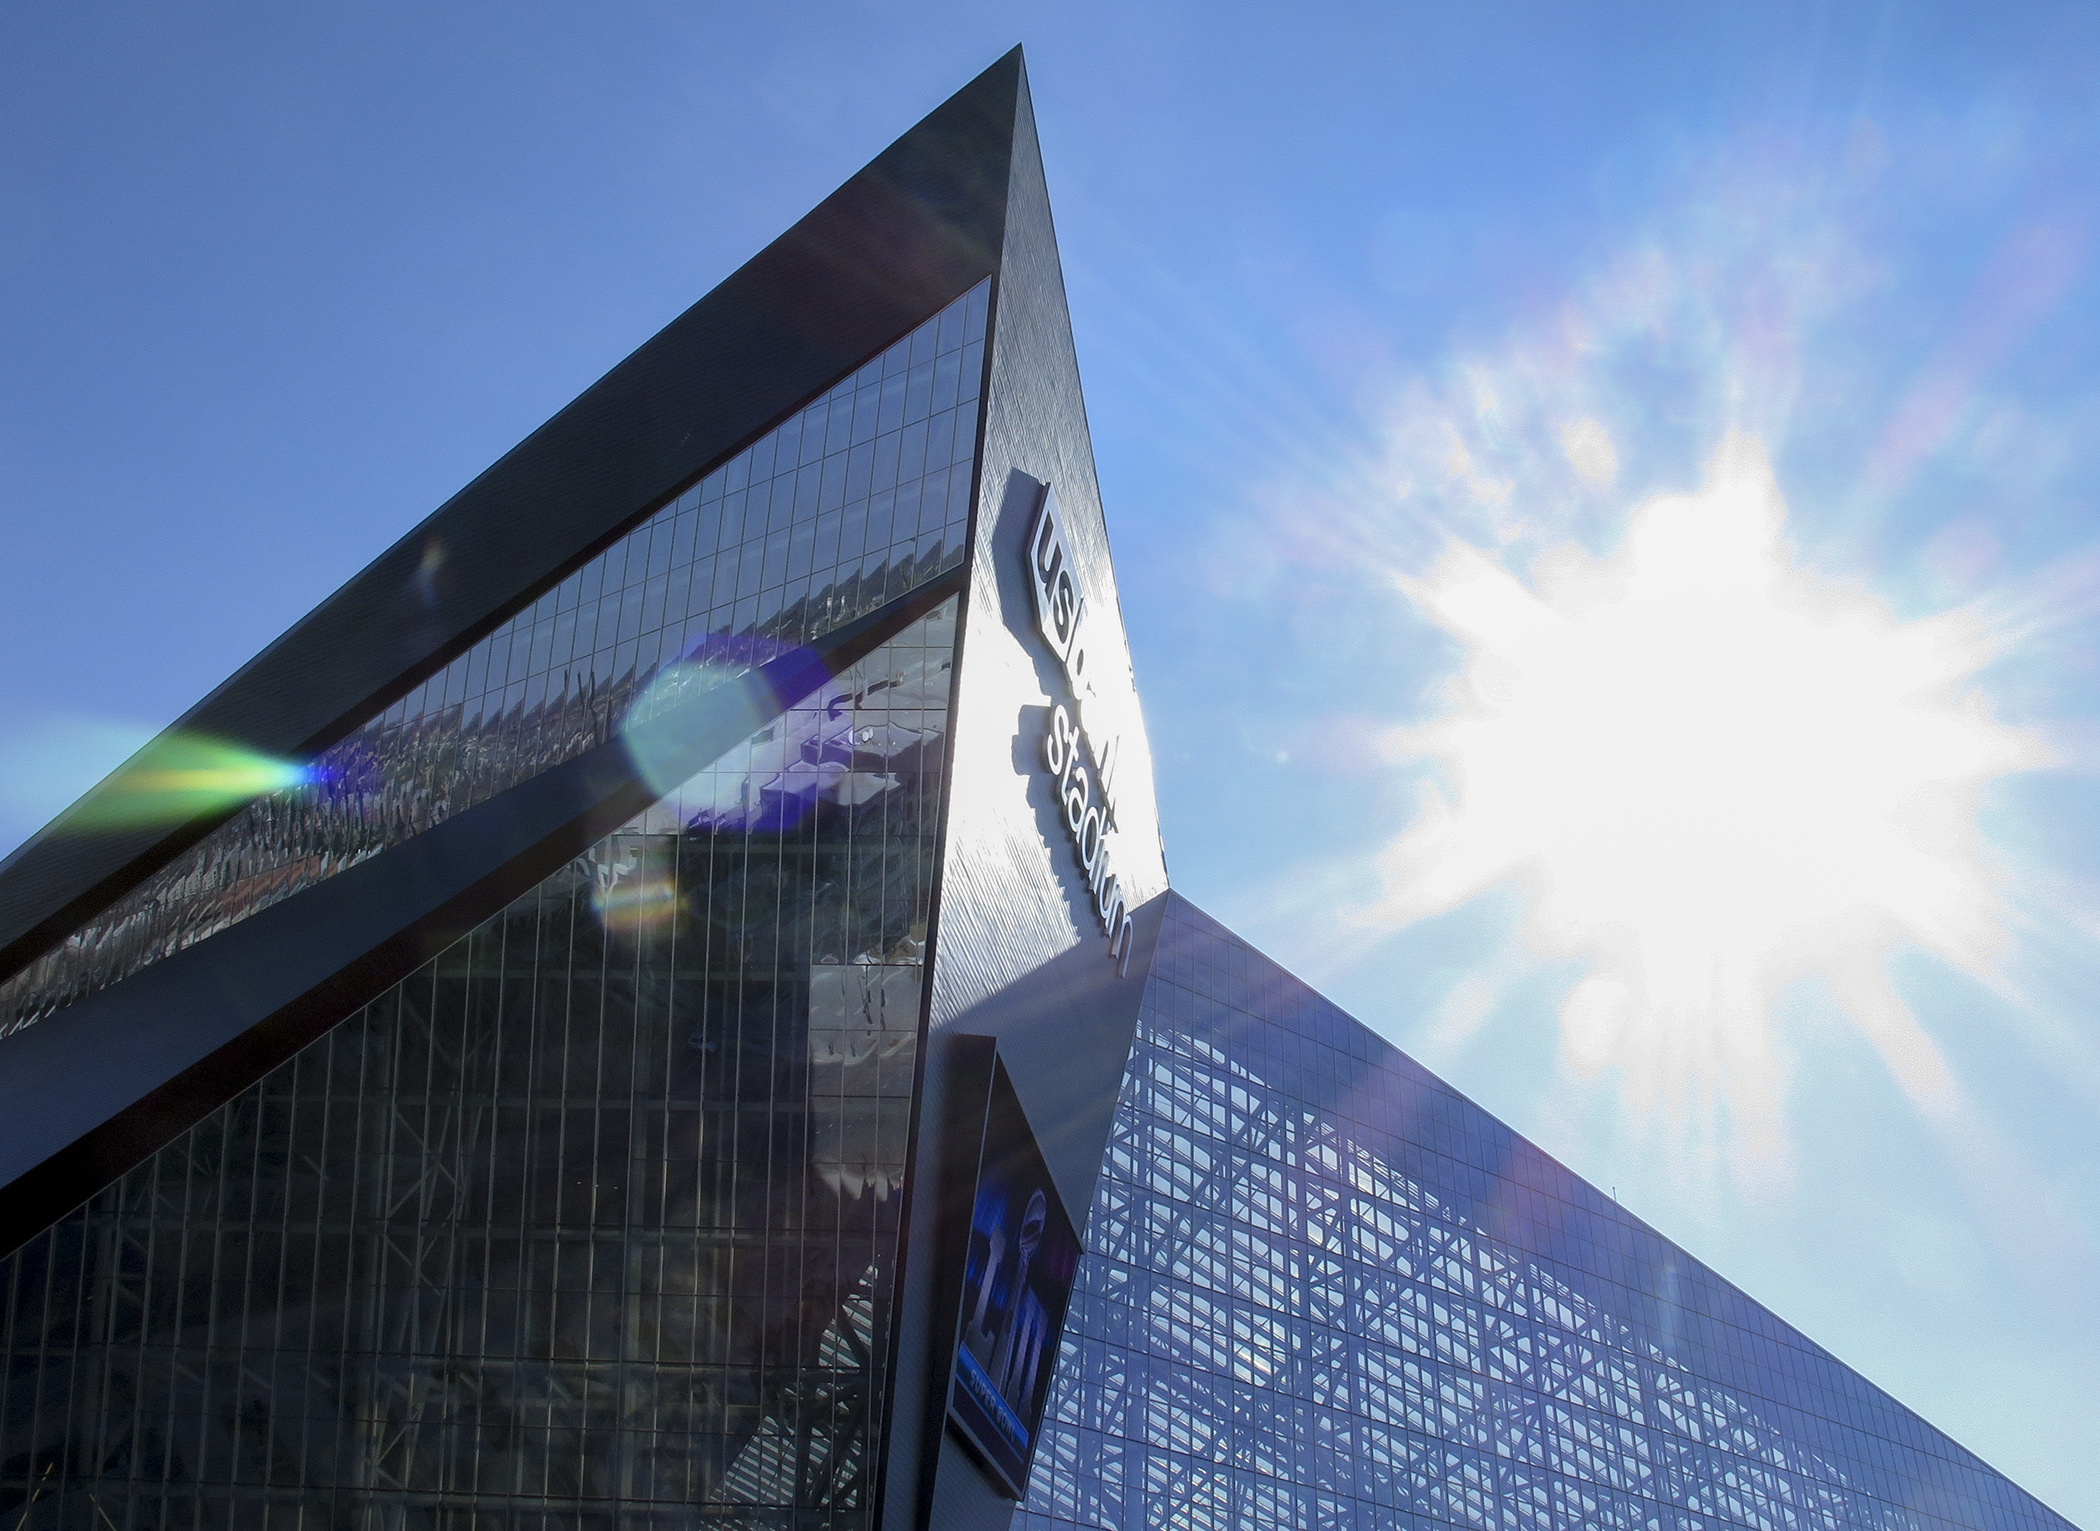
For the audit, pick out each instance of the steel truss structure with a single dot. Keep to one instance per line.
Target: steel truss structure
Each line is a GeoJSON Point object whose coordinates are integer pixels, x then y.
{"type": "Point", "coordinates": [1325, 1291]}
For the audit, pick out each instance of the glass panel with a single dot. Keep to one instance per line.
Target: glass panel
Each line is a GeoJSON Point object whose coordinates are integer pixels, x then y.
{"type": "Point", "coordinates": [1324, 1290]}
{"type": "Point", "coordinates": [592, 1221]}
{"type": "Point", "coordinates": [815, 524]}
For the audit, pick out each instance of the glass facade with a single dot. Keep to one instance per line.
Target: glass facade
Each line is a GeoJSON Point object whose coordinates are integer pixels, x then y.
{"type": "Point", "coordinates": [590, 1222]}
{"type": "Point", "coordinates": [1323, 1290]}
{"type": "Point", "coordinates": [852, 501]}
{"type": "Point", "coordinates": [595, 1220]}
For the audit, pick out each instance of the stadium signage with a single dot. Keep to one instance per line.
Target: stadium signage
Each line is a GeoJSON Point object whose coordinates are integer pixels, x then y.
{"type": "Point", "coordinates": [1078, 752]}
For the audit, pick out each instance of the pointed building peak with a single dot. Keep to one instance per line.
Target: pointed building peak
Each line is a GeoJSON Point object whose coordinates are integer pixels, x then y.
{"type": "Point", "coordinates": [921, 224]}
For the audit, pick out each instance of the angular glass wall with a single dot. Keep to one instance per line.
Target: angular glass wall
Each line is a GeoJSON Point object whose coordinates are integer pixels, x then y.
{"type": "Point", "coordinates": [591, 1222]}
{"type": "Point", "coordinates": [1322, 1290]}
{"type": "Point", "coordinates": [855, 499]}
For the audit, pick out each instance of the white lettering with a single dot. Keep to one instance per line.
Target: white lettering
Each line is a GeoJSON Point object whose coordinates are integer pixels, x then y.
{"type": "Point", "coordinates": [1080, 755]}
{"type": "Point", "coordinates": [1059, 609]}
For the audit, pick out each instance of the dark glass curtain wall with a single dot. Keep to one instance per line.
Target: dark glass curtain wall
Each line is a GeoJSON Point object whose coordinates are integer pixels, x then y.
{"type": "Point", "coordinates": [851, 501]}
{"type": "Point", "coordinates": [591, 1222]}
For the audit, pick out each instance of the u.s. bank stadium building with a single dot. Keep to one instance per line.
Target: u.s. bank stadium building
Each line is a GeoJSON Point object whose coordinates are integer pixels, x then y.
{"type": "Point", "coordinates": [704, 1037]}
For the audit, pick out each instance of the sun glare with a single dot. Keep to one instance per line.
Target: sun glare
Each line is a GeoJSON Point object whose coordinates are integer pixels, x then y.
{"type": "Point", "coordinates": [1717, 771]}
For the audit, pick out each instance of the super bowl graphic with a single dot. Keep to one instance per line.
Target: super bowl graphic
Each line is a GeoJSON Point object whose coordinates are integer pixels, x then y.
{"type": "Point", "coordinates": [1023, 1255]}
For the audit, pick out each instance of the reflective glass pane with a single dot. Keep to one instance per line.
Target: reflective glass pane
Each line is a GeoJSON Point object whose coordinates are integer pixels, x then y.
{"type": "Point", "coordinates": [591, 1221]}
{"type": "Point", "coordinates": [759, 547]}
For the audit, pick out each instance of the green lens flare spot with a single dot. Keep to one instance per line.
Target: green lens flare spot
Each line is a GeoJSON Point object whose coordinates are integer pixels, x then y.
{"type": "Point", "coordinates": [179, 776]}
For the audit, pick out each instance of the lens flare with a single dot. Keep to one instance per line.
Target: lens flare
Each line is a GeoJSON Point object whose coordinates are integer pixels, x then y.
{"type": "Point", "coordinates": [1719, 772]}
{"type": "Point", "coordinates": [634, 884]}
{"type": "Point", "coordinates": [656, 729]}
{"type": "Point", "coordinates": [428, 569]}
{"type": "Point", "coordinates": [181, 775]}
{"type": "Point", "coordinates": [644, 903]}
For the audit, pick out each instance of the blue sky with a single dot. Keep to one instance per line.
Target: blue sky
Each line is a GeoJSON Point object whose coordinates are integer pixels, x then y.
{"type": "Point", "coordinates": [1394, 321]}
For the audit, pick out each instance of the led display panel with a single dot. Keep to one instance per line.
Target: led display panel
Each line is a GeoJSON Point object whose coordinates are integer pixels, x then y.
{"type": "Point", "coordinates": [1017, 1276]}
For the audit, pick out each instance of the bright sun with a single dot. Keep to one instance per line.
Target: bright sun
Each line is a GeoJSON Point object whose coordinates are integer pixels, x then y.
{"type": "Point", "coordinates": [1719, 771]}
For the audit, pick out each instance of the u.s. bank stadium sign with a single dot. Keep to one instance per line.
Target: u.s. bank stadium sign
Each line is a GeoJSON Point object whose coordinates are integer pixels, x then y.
{"type": "Point", "coordinates": [1080, 747]}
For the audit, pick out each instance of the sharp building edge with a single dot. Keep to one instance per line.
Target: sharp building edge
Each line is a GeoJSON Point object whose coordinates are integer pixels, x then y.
{"type": "Point", "coordinates": [710, 1040]}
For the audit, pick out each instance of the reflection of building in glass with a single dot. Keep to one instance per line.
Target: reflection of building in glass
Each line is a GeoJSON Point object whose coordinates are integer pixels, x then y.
{"type": "Point", "coordinates": [535, 1116]}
